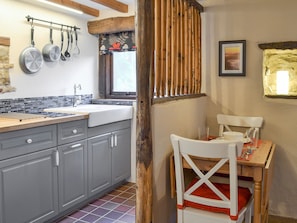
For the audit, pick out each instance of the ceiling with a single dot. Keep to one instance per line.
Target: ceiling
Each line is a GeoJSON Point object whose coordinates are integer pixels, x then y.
{"type": "Point", "coordinates": [90, 8]}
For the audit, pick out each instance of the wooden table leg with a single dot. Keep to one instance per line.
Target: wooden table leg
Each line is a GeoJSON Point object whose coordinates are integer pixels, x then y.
{"type": "Point", "coordinates": [257, 202]}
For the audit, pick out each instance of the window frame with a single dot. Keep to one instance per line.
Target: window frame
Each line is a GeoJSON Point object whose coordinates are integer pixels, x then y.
{"type": "Point", "coordinates": [106, 80]}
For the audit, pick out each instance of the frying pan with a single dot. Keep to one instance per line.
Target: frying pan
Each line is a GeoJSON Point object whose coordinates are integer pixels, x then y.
{"type": "Point", "coordinates": [51, 52]}
{"type": "Point", "coordinates": [30, 58]}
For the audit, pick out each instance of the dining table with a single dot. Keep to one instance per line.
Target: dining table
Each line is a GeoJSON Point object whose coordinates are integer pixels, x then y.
{"type": "Point", "coordinates": [255, 164]}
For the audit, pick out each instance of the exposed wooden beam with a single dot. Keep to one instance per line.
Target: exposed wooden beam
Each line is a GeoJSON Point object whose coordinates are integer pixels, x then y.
{"type": "Point", "coordinates": [279, 45]}
{"type": "Point", "coordinates": [85, 9]}
{"type": "Point", "coordinates": [4, 41]}
{"type": "Point", "coordinates": [145, 66]}
{"type": "Point", "coordinates": [111, 25]}
{"type": "Point", "coordinates": [113, 4]}
{"type": "Point", "coordinates": [196, 4]}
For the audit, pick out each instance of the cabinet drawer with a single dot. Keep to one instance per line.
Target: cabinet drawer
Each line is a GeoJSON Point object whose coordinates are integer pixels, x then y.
{"type": "Point", "coordinates": [72, 131]}
{"type": "Point", "coordinates": [26, 141]}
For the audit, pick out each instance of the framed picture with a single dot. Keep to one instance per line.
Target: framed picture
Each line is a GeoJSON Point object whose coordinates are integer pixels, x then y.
{"type": "Point", "coordinates": [232, 58]}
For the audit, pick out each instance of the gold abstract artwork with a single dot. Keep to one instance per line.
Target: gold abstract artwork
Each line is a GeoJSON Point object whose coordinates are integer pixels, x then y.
{"type": "Point", "coordinates": [280, 72]}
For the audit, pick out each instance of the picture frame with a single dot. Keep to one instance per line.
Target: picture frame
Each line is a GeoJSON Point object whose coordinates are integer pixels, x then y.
{"type": "Point", "coordinates": [232, 58]}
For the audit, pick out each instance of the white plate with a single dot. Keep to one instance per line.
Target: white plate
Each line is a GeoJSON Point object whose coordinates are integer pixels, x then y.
{"type": "Point", "coordinates": [244, 140]}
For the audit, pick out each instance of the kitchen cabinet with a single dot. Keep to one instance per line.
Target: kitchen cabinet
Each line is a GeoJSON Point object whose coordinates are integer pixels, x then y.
{"type": "Point", "coordinates": [72, 174]}
{"type": "Point", "coordinates": [109, 155]}
{"type": "Point", "coordinates": [72, 165]}
{"type": "Point", "coordinates": [121, 155]}
{"type": "Point", "coordinates": [99, 163]}
{"type": "Point", "coordinates": [46, 171]}
{"type": "Point", "coordinates": [28, 180]}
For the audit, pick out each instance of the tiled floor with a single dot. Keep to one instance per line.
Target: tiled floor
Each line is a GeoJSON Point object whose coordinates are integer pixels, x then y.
{"type": "Point", "coordinates": [116, 207]}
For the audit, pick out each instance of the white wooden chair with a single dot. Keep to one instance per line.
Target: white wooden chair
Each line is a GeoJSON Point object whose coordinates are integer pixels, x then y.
{"type": "Point", "coordinates": [204, 201]}
{"type": "Point", "coordinates": [251, 124]}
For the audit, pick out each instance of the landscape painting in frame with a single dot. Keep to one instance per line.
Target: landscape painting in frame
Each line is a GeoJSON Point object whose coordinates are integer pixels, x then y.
{"type": "Point", "coordinates": [232, 58]}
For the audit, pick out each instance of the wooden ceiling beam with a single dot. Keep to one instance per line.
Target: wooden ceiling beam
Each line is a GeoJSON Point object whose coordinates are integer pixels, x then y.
{"type": "Point", "coordinates": [113, 4]}
{"type": "Point", "coordinates": [85, 9]}
{"type": "Point", "coordinates": [111, 25]}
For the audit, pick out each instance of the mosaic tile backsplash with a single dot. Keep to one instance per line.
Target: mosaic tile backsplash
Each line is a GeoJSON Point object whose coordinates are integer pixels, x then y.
{"type": "Point", "coordinates": [37, 104]}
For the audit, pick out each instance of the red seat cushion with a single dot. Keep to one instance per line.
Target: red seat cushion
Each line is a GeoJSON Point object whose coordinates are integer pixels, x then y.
{"type": "Point", "coordinates": [244, 196]}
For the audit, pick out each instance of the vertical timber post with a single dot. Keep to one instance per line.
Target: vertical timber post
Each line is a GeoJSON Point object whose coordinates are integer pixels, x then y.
{"type": "Point", "coordinates": [144, 33]}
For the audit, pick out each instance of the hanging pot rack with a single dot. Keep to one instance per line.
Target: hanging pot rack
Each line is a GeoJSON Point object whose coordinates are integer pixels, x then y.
{"type": "Point", "coordinates": [31, 19]}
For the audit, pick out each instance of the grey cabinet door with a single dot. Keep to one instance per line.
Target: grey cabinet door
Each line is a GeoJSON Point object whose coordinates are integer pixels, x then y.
{"type": "Point", "coordinates": [99, 163]}
{"type": "Point", "coordinates": [121, 155]}
{"type": "Point", "coordinates": [72, 174]}
{"type": "Point", "coordinates": [28, 188]}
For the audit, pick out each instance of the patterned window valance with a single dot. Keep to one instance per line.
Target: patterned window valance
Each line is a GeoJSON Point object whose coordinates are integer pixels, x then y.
{"type": "Point", "coordinates": [123, 41]}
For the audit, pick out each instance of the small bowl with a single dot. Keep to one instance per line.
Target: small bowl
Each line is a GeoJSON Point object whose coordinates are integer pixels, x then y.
{"type": "Point", "coordinates": [233, 136]}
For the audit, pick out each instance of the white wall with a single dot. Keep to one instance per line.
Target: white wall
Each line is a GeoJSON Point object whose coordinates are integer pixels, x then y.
{"type": "Point", "coordinates": [54, 78]}
{"type": "Point", "coordinates": [181, 117]}
{"type": "Point", "coordinates": [256, 21]}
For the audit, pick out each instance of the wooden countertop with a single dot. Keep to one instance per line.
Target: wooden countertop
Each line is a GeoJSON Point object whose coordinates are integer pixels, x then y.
{"type": "Point", "coordinates": [7, 125]}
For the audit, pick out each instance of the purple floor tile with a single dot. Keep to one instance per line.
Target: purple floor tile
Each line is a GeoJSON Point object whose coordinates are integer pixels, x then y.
{"type": "Point", "coordinates": [88, 208]}
{"type": "Point", "coordinates": [100, 211]}
{"type": "Point", "coordinates": [128, 218]}
{"type": "Point", "coordinates": [67, 220]}
{"type": "Point", "coordinates": [105, 220]}
{"type": "Point", "coordinates": [90, 218]}
{"type": "Point", "coordinates": [122, 208]}
{"type": "Point", "coordinates": [118, 200]}
{"type": "Point", "coordinates": [110, 205]}
{"type": "Point", "coordinates": [114, 215]}
{"type": "Point", "coordinates": [98, 202]}
{"type": "Point", "coordinates": [78, 214]}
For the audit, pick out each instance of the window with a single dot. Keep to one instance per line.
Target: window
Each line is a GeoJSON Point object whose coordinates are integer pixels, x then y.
{"type": "Point", "coordinates": [123, 72]}
{"type": "Point", "coordinates": [118, 75]}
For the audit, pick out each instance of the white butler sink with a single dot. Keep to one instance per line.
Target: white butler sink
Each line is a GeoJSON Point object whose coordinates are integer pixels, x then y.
{"type": "Point", "coordinates": [98, 114]}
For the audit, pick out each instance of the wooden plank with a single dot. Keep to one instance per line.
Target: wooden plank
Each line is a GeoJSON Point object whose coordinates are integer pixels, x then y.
{"type": "Point", "coordinates": [268, 174]}
{"type": "Point", "coordinates": [113, 4]}
{"type": "Point", "coordinates": [157, 47]}
{"type": "Point", "coordinates": [178, 48]}
{"type": "Point", "coordinates": [174, 58]}
{"type": "Point", "coordinates": [163, 47]}
{"type": "Point", "coordinates": [145, 67]}
{"type": "Point", "coordinates": [185, 50]}
{"type": "Point", "coordinates": [77, 6]}
{"type": "Point", "coordinates": [111, 25]}
{"type": "Point", "coordinates": [168, 48]}
{"type": "Point", "coordinates": [279, 45]}
{"type": "Point", "coordinates": [4, 41]}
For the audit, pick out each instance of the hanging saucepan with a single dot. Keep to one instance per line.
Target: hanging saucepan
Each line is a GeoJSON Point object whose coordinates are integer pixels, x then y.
{"type": "Point", "coordinates": [31, 58]}
{"type": "Point", "coordinates": [51, 52]}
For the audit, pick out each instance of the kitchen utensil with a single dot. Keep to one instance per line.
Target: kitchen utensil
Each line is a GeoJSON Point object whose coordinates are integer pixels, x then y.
{"type": "Point", "coordinates": [62, 57]}
{"type": "Point", "coordinates": [67, 53]}
{"type": "Point", "coordinates": [76, 50]}
{"type": "Point", "coordinates": [51, 52]}
{"type": "Point", "coordinates": [71, 42]}
{"type": "Point", "coordinates": [30, 58]}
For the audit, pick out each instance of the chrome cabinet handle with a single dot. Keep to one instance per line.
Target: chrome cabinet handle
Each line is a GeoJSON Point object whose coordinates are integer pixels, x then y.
{"type": "Point", "coordinates": [111, 141]}
{"type": "Point", "coordinates": [57, 158]}
{"type": "Point", "coordinates": [29, 141]}
{"type": "Point", "coordinates": [115, 140]}
{"type": "Point", "coordinates": [76, 145]}
{"type": "Point", "coordinates": [74, 131]}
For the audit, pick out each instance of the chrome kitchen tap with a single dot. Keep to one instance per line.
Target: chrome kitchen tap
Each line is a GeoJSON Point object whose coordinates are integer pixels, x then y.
{"type": "Point", "coordinates": [77, 98]}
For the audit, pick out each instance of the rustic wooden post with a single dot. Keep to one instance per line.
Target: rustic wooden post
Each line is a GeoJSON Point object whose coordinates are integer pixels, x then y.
{"type": "Point", "coordinates": [144, 155]}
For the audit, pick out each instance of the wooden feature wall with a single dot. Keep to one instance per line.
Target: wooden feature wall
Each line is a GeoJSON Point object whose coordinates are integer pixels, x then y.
{"type": "Point", "coordinates": [168, 63]}
{"type": "Point", "coordinates": [177, 44]}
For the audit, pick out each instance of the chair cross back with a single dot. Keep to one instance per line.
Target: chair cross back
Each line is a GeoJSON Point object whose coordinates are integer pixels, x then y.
{"type": "Point", "coordinates": [252, 123]}
{"type": "Point", "coordinates": [221, 151]}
